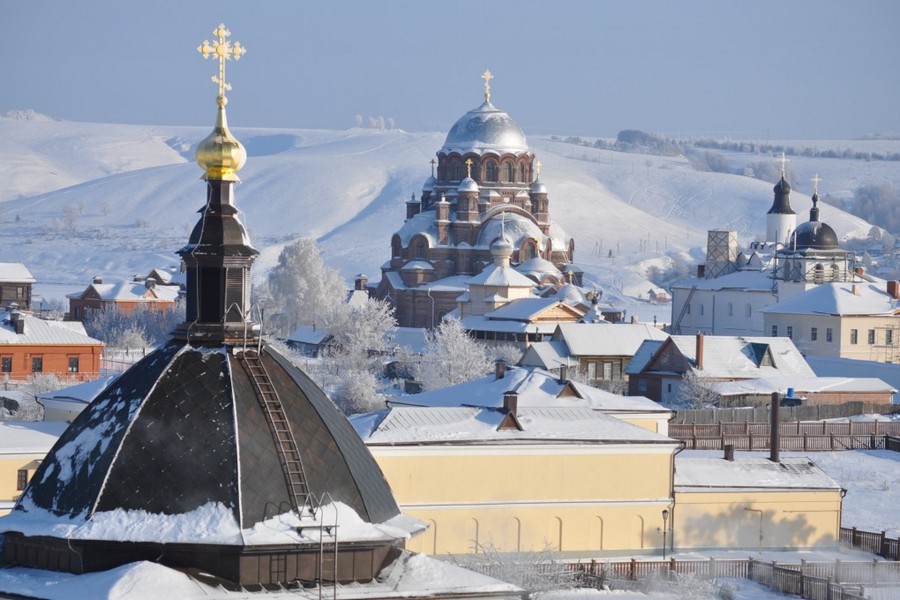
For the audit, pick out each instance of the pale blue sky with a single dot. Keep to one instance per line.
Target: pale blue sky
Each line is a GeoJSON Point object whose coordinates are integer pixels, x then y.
{"type": "Point", "coordinates": [811, 69]}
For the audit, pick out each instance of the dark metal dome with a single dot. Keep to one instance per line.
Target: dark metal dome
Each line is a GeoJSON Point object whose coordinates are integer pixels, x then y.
{"type": "Point", "coordinates": [814, 234]}
{"type": "Point", "coordinates": [782, 202]}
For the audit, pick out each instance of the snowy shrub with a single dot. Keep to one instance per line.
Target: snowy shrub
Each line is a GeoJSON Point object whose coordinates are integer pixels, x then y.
{"type": "Point", "coordinates": [451, 356]}
{"type": "Point", "coordinates": [532, 571]}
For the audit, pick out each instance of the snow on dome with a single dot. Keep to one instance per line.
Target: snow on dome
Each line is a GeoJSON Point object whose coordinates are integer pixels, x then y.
{"type": "Point", "coordinates": [485, 129]}
{"type": "Point", "coordinates": [501, 248]}
{"type": "Point", "coordinates": [516, 228]}
{"type": "Point", "coordinates": [538, 187]}
{"type": "Point", "coordinates": [570, 294]}
{"type": "Point", "coordinates": [429, 184]}
{"type": "Point", "coordinates": [538, 267]}
{"type": "Point", "coordinates": [467, 185]}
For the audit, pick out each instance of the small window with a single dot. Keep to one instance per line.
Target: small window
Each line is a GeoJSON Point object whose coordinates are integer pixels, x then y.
{"type": "Point", "coordinates": [510, 173]}
{"type": "Point", "coordinates": [814, 333]}
{"type": "Point", "coordinates": [490, 171]}
{"type": "Point", "coordinates": [669, 388]}
{"type": "Point", "coordinates": [642, 385]}
{"type": "Point", "coordinates": [592, 371]}
{"type": "Point", "coordinates": [871, 337]}
{"type": "Point", "coordinates": [607, 370]}
{"type": "Point", "coordinates": [37, 364]}
{"type": "Point", "coordinates": [854, 336]}
{"type": "Point", "coordinates": [790, 332]}
{"type": "Point", "coordinates": [889, 337]}
{"type": "Point", "coordinates": [818, 274]}
{"type": "Point", "coordinates": [6, 364]}
{"type": "Point", "coordinates": [21, 479]}
{"type": "Point", "coordinates": [774, 330]}
{"type": "Point", "coordinates": [73, 364]}
{"type": "Point", "coordinates": [828, 335]}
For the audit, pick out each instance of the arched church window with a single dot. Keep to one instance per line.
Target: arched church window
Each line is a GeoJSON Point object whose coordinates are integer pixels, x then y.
{"type": "Point", "coordinates": [418, 248]}
{"type": "Point", "coordinates": [522, 172]}
{"type": "Point", "coordinates": [456, 172]}
{"type": "Point", "coordinates": [818, 273]}
{"type": "Point", "coordinates": [835, 273]}
{"type": "Point", "coordinates": [510, 172]}
{"type": "Point", "coordinates": [395, 246]}
{"type": "Point", "coordinates": [528, 250]}
{"type": "Point", "coordinates": [490, 171]}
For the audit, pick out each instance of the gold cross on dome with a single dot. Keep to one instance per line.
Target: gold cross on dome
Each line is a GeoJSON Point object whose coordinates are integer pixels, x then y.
{"type": "Point", "coordinates": [469, 167]}
{"type": "Point", "coordinates": [537, 167]}
{"type": "Point", "coordinates": [432, 167]}
{"type": "Point", "coordinates": [816, 181]}
{"type": "Point", "coordinates": [222, 50]}
{"type": "Point", "coordinates": [784, 162]}
{"type": "Point", "coordinates": [487, 85]}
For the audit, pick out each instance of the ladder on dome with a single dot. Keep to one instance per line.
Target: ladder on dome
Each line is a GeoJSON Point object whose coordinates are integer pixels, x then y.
{"type": "Point", "coordinates": [676, 326]}
{"type": "Point", "coordinates": [285, 442]}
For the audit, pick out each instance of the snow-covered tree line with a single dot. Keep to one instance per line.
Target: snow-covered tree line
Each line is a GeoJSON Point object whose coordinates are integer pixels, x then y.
{"type": "Point", "coordinates": [143, 327]}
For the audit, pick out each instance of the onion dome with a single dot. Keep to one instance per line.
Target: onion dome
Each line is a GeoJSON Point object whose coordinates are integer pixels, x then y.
{"type": "Point", "coordinates": [485, 129]}
{"type": "Point", "coordinates": [467, 185]}
{"type": "Point", "coordinates": [428, 186]}
{"type": "Point", "coordinates": [220, 154]}
{"type": "Point", "coordinates": [782, 202]}
{"type": "Point", "coordinates": [538, 187]}
{"type": "Point", "coordinates": [814, 234]}
{"type": "Point", "coordinates": [501, 248]}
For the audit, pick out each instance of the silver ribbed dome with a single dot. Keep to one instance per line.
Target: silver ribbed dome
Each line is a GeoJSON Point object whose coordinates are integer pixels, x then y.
{"type": "Point", "coordinates": [485, 129]}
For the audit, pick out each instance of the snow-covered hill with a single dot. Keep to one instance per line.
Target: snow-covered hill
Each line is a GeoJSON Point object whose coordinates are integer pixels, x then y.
{"type": "Point", "coordinates": [81, 199]}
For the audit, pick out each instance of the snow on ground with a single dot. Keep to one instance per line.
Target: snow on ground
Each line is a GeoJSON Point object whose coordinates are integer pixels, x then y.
{"type": "Point", "coordinates": [82, 199]}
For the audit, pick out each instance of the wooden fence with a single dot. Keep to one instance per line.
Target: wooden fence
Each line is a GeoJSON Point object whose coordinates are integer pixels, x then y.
{"type": "Point", "coordinates": [869, 541]}
{"type": "Point", "coordinates": [801, 436]}
{"type": "Point", "coordinates": [809, 412]}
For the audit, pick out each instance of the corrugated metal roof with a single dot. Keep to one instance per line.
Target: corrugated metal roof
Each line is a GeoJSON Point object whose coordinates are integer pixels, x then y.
{"type": "Point", "coordinates": [839, 299]}
{"type": "Point", "coordinates": [703, 474]}
{"type": "Point", "coordinates": [605, 339]}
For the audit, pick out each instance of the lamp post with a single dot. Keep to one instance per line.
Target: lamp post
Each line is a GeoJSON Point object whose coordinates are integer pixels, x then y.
{"type": "Point", "coordinates": [665, 516]}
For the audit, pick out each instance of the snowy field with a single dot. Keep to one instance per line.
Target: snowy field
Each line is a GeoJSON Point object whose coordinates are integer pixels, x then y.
{"type": "Point", "coordinates": [82, 199]}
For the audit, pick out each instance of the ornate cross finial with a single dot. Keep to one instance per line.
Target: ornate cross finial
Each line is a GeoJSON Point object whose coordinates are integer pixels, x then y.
{"type": "Point", "coordinates": [816, 181]}
{"type": "Point", "coordinates": [784, 162]}
{"type": "Point", "coordinates": [487, 85]}
{"type": "Point", "coordinates": [469, 168]}
{"type": "Point", "coordinates": [432, 167]}
{"type": "Point", "coordinates": [537, 168]}
{"type": "Point", "coordinates": [223, 50]}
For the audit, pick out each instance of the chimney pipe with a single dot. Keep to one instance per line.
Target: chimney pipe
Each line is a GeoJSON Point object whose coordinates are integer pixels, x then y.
{"type": "Point", "coordinates": [499, 368]}
{"type": "Point", "coordinates": [893, 289]}
{"type": "Point", "coordinates": [511, 402]}
{"type": "Point", "coordinates": [563, 373]}
{"type": "Point", "coordinates": [774, 437]}
{"type": "Point", "coordinates": [699, 351]}
{"type": "Point", "coordinates": [855, 290]}
{"type": "Point", "coordinates": [729, 452]}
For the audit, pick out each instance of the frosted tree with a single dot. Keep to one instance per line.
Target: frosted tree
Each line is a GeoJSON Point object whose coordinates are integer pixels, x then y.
{"type": "Point", "coordinates": [451, 357]}
{"type": "Point", "coordinates": [696, 392]}
{"type": "Point", "coordinates": [301, 290]}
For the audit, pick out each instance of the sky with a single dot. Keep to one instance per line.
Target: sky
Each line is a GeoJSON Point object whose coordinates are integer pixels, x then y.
{"type": "Point", "coordinates": [767, 68]}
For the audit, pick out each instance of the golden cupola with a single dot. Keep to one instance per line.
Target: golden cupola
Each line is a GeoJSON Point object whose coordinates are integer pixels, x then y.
{"type": "Point", "coordinates": [220, 154]}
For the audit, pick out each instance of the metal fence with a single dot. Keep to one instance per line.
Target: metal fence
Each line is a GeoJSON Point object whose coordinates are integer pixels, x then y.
{"type": "Point", "coordinates": [801, 436]}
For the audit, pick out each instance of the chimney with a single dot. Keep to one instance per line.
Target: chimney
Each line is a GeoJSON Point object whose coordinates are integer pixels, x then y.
{"type": "Point", "coordinates": [855, 290]}
{"type": "Point", "coordinates": [137, 279]}
{"type": "Point", "coordinates": [150, 282]}
{"type": "Point", "coordinates": [860, 271]}
{"type": "Point", "coordinates": [511, 402]}
{"type": "Point", "coordinates": [97, 279]}
{"type": "Point", "coordinates": [699, 351]}
{"type": "Point", "coordinates": [893, 289]}
{"type": "Point", "coordinates": [499, 369]}
{"type": "Point", "coordinates": [701, 271]}
{"type": "Point", "coordinates": [360, 282]}
{"type": "Point", "coordinates": [729, 452]}
{"type": "Point", "coordinates": [774, 437]}
{"type": "Point", "coordinates": [563, 373]}
{"type": "Point", "coordinates": [17, 319]}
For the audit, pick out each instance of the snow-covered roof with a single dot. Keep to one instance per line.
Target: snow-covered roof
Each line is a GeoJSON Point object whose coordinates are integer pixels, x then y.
{"type": "Point", "coordinates": [734, 357]}
{"type": "Point", "coordinates": [642, 356]}
{"type": "Point", "coordinates": [83, 393]}
{"type": "Point", "coordinates": [309, 335]}
{"type": "Point", "coordinates": [847, 367]}
{"type": "Point", "coordinates": [468, 425]}
{"type": "Point", "coordinates": [131, 291]}
{"type": "Point", "coordinates": [483, 323]}
{"type": "Point", "coordinates": [536, 388]}
{"type": "Point", "coordinates": [605, 339]}
{"type": "Point", "coordinates": [570, 294]}
{"type": "Point", "coordinates": [29, 437]}
{"type": "Point", "coordinates": [40, 332]}
{"type": "Point", "coordinates": [546, 355]}
{"type": "Point", "coordinates": [801, 385]}
{"type": "Point", "coordinates": [485, 129]}
{"type": "Point", "coordinates": [513, 226]}
{"type": "Point", "coordinates": [15, 273]}
{"type": "Point", "coordinates": [500, 276]}
{"type": "Point", "coordinates": [750, 280]}
{"type": "Point", "coordinates": [420, 223]}
{"type": "Point", "coordinates": [839, 299]}
{"type": "Point", "coordinates": [523, 309]}
{"type": "Point", "coordinates": [699, 474]}
{"type": "Point", "coordinates": [538, 267]}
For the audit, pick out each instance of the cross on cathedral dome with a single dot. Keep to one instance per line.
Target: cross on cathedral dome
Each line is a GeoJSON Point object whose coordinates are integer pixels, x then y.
{"type": "Point", "coordinates": [485, 129]}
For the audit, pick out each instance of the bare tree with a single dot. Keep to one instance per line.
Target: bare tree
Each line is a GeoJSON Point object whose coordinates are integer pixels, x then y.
{"type": "Point", "coordinates": [696, 392]}
{"type": "Point", "coordinates": [452, 356]}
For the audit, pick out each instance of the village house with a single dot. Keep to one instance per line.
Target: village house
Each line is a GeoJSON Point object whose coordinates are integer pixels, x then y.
{"type": "Point", "coordinates": [30, 346]}
{"type": "Point", "coordinates": [125, 296]}
{"type": "Point", "coordinates": [15, 285]}
{"type": "Point", "coordinates": [599, 351]}
{"type": "Point", "coordinates": [658, 368]}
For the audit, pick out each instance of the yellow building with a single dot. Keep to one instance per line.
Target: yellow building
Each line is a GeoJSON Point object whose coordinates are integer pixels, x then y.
{"type": "Point", "coordinates": [521, 461]}
{"type": "Point", "coordinates": [23, 446]}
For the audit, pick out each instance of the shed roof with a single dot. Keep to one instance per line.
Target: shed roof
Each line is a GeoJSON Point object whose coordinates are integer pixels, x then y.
{"type": "Point", "coordinates": [700, 474]}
